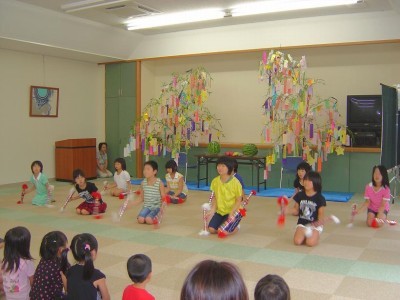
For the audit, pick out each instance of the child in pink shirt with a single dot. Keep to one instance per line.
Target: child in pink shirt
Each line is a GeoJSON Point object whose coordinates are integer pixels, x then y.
{"type": "Point", "coordinates": [377, 196]}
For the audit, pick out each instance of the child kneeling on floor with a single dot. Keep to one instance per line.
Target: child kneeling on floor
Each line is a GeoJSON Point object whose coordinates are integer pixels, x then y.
{"type": "Point", "coordinates": [310, 206]}
{"type": "Point", "coordinates": [176, 186]}
{"type": "Point", "coordinates": [227, 195]}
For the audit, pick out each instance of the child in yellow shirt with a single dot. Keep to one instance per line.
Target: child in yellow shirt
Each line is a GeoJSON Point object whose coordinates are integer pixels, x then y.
{"type": "Point", "coordinates": [227, 194]}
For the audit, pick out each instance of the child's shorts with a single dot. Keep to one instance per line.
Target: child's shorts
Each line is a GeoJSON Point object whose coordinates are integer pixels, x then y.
{"type": "Point", "coordinates": [148, 212]}
{"type": "Point", "coordinates": [181, 195]}
{"type": "Point", "coordinates": [89, 207]}
{"type": "Point", "coordinates": [376, 213]}
{"type": "Point", "coordinates": [318, 228]}
{"type": "Point", "coordinates": [217, 220]}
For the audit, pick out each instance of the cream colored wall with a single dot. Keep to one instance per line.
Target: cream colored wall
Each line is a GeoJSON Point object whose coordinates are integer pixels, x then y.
{"type": "Point", "coordinates": [237, 94]}
{"type": "Point", "coordinates": [80, 115]}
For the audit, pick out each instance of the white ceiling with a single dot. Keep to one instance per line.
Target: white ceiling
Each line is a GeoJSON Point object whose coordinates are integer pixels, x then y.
{"type": "Point", "coordinates": [126, 8]}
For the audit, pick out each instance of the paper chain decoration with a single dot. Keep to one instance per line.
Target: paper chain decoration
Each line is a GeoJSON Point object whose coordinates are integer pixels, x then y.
{"type": "Point", "coordinates": [178, 116]}
{"type": "Point", "coordinates": [296, 122]}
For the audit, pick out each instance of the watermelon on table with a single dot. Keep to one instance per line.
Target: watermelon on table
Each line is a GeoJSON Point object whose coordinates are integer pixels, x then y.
{"type": "Point", "coordinates": [249, 150]}
{"type": "Point", "coordinates": [214, 147]}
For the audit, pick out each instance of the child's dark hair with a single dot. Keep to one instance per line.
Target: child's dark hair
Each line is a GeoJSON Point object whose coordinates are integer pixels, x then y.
{"type": "Point", "coordinates": [316, 179]}
{"type": "Point", "coordinates": [39, 163]}
{"type": "Point", "coordinates": [101, 145]}
{"type": "Point", "coordinates": [139, 267]}
{"type": "Point", "coordinates": [214, 280]}
{"type": "Point", "coordinates": [122, 162]}
{"type": "Point", "coordinates": [235, 165]}
{"type": "Point", "coordinates": [384, 173]}
{"type": "Point", "coordinates": [81, 247]}
{"type": "Point", "coordinates": [78, 172]}
{"type": "Point", "coordinates": [17, 242]}
{"type": "Point", "coordinates": [228, 162]}
{"type": "Point", "coordinates": [272, 287]}
{"type": "Point", "coordinates": [304, 166]}
{"type": "Point", "coordinates": [171, 164]}
{"type": "Point", "coordinates": [152, 164]}
{"type": "Point", "coordinates": [50, 245]}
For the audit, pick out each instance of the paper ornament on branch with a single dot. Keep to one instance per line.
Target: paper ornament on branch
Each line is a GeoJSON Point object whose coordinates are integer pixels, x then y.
{"type": "Point", "coordinates": [297, 122]}
{"type": "Point", "coordinates": [178, 117]}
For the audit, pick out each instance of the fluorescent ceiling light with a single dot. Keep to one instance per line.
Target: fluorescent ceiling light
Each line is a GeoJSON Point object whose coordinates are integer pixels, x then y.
{"type": "Point", "coordinates": [175, 18]}
{"type": "Point", "coordinates": [87, 4]}
{"type": "Point", "coordinates": [272, 6]}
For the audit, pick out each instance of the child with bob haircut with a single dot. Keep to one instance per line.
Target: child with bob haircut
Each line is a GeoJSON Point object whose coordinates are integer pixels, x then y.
{"type": "Point", "coordinates": [302, 169]}
{"type": "Point", "coordinates": [210, 280]}
{"type": "Point", "coordinates": [44, 191]}
{"type": "Point", "coordinates": [176, 186]}
{"type": "Point", "coordinates": [86, 190]}
{"type": "Point", "coordinates": [84, 281]}
{"type": "Point", "coordinates": [272, 287]}
{"type": "Point", "coordinates": [122, 179]}
{"type": "Point", "coordinates": [228, 194]}
{"type": "Point", "coordinates": [139, 271]}
{"type": "Point", "coordinates": [151, 193]}
{"type": "Point", "coordinates": [17, 265]}
{"type": "Point", "coordinates": [310, 207]}
{"type": "Point", "coordinates": [377, 197]}
{"type": "Point", "coordinates": [49, 279]}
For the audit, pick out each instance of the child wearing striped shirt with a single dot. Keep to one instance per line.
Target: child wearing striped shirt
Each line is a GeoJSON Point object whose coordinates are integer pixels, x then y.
{"type": "Point", "coordinates": [152, 191]}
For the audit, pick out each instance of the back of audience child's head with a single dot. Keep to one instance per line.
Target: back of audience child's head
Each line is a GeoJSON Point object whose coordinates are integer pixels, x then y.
{"type": "Point", "coordinates": [54, 247]}
{"type": "Point", "coordinates": [171, 164]}
{"type": "Point", "coordinates": [82, 246]}
{"type": "Point", "coordinates": [139, 268]}
{"type": "Point", "coordinates": [17, 243]}
{"type": "Point", "coordinates": [228, 162]}
{"type": "Point", "coordinates": [272, 287]}
{"type": "Point", "coordinates": [316, 179]}
{"type": "Point", "coordinates": [122, 162]}
{"type": "Point", "coordinates": [210, 280]}
{"type": "Point", "coordinates": [37, 163]}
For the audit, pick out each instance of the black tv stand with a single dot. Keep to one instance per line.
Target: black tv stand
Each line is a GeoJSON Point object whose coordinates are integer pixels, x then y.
{"type": "Point", "coordinates": [366, 137]}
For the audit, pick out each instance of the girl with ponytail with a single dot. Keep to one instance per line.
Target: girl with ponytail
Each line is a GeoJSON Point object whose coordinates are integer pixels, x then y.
{"type": "Point", "coordinates": [84, 281]}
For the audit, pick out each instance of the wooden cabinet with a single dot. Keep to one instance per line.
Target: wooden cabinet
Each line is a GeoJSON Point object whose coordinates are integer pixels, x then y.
{"type": "Point", "coordinates": [120, 111]}
{"type": "Point", "coordinates": [74, 154]}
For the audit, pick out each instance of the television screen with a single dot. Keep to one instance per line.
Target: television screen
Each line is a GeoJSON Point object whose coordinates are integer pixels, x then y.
{"type": "Point", "coordinates": [364, 110]}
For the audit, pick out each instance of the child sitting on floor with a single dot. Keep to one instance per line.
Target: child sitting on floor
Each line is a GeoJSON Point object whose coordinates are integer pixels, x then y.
{"type": "Point", "coordinates": [139, 270]}
{"type": "Point", "coordinates": [44, 191]}
{"type": "Point", "coordinates": [377, 197]}
{"type": "Point", "coordinates": [88, 191]}
{"type": "Point", "coordinates": [310, 206]}
{"type": "Point", "coordinates": [176, 186]}
{"type": "Point", "coordinates": [152, 191]}
{"type": "Point", "coordinates": [228, 194]}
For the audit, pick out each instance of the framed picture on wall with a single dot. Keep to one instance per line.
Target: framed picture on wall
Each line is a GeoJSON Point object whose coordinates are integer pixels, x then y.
{"type": "Point", "coordinates": [43, 101]}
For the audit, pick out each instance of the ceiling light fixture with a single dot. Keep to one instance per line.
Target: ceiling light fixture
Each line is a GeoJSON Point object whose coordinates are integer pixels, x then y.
{"type": "Point", "coordinates": [87, 4]}
{"type": "Point", "coordinates": [174, 18]}
{"type": "Point", "coordinates": [272, 6]}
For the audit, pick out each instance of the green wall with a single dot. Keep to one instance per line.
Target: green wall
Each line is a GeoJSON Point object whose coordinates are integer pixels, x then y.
{"type": "Point", "coordinates": [340, 173]}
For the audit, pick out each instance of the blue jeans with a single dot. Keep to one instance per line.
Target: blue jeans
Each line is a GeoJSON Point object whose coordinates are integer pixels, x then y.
{"type": "Point", "coordinates": [148, 212]}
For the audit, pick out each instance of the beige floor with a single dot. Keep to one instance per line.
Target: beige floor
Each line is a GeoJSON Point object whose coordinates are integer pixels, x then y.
{"type": "Point", "coordinates": [356, 263]}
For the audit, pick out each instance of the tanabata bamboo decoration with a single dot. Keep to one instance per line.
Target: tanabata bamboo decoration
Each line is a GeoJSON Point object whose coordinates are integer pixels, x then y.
{"type": "Point", "coordinates": [297, 122]}
{"type": "Point", "coordinates": [178, 117]}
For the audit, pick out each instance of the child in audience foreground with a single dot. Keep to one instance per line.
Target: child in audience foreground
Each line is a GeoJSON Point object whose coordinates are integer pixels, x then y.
{"type": "Point", "coordinates": [139, 271]}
